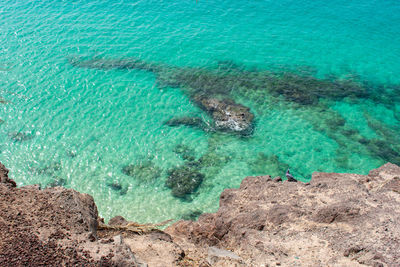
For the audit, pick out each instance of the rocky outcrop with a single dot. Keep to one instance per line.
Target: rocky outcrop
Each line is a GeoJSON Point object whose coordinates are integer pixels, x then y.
{"type": "Point", "coordinates": [53, 227]}
{"type": "Point", "coordinates": [228, 115]}
{"type": "Point", "coordinates": [335, 220]}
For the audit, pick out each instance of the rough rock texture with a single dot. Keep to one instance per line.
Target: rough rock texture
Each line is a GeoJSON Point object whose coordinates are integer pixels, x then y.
{"type": "Point", "coordinates": [52, 227]}
{"type": "Point", "coordinates": [335, 220]}
{"type": "Point", "coordinates": [228, 115]}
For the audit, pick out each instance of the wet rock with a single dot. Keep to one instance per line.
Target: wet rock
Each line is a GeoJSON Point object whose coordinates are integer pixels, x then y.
{"type": "Point", "coordinates": [228, 115]}
{"type": "Point", "coordinates": [183, 180]}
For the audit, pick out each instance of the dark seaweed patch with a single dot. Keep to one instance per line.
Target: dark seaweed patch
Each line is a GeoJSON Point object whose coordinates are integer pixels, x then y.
{"type": "Point", "coordinates": [183, 180]}
{"type": "Point", "coordinates": [145, 171]}
{"type": "Point", "coordinates": [116, 186]}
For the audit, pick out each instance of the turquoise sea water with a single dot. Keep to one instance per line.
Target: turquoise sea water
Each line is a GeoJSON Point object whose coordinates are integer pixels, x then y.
{"type": "Point", "coordinates": [81, 127]}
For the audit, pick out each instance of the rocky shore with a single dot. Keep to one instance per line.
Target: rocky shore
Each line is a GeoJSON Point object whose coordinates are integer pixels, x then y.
{"type": "Point", "coordinates": [335, 220]}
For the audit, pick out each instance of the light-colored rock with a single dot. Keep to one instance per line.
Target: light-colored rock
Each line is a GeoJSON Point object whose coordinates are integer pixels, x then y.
{"type": "Point", "coordinates": [335, 220]}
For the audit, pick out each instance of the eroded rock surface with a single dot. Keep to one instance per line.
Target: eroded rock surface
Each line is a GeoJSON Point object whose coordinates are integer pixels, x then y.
{"type": "Point", "coordinates": [53, 227]}
{"type": "Point", "coordinates": [335, 220]}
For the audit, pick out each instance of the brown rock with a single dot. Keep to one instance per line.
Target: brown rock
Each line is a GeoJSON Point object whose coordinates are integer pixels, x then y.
{"type": "Point", "coordinates": [118, 220]}
{"type": "Point", "coordinates": [4, 176]}
{"type": "Point", "coordinates": [335, 220]}
{"type": "Point", "coordinates": [339, 212]}
{"type": "Point", "coordinates": [55, 226]}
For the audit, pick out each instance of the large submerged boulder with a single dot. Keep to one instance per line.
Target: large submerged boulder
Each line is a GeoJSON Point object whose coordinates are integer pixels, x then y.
{"type": "Point", "coordinates": [228, 115]}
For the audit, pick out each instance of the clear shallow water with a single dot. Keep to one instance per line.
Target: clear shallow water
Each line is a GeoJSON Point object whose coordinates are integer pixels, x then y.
{"type": "Point", "coordinates": [85, 125]}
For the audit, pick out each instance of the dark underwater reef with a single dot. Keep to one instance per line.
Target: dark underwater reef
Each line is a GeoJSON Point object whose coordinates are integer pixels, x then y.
{"type": "Point", "coordinates": [223, 91]}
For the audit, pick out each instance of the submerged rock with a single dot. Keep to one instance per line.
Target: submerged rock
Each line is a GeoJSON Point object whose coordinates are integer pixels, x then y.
{"type": "Point", "coordinates": [187, 121]}
{"type": "Point", "coordinates": [116, 186]}
{"type": "Point", "coordinates": [228, 115]}
{"type": "Point", "coordinates": [185, 152]}
{"type": "Point", "coordinates": [270, 164]}
{"type": "Point", "coordinates": [50, 169]}
{"type": "Point", "coordinates": [99, 63]}
{"type": "Point", "coordinates": [307, 90]}
{"type": "Point", "coordinates": [3, 101]}
{"type": "Point", "coordinates": [57, 181]}
{"type": "Point", "coordinates": [381, 149]}
{"type": "Point", "coordinates": [145, 171]}
{"type": "Point", "coordinates": [213, 158]}
{"type": "Point", "coordinates": [183, 180]}
{"type": "Point", "coordinates": [21, 136]}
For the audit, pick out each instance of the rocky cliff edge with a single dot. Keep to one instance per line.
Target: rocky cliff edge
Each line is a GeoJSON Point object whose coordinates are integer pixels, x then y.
{"type": "Point", "coordinates": [335, 220]}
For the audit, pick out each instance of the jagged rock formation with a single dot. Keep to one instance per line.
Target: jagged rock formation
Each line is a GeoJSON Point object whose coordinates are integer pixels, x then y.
{"type": "Point", "coordinates": [335, 220]}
